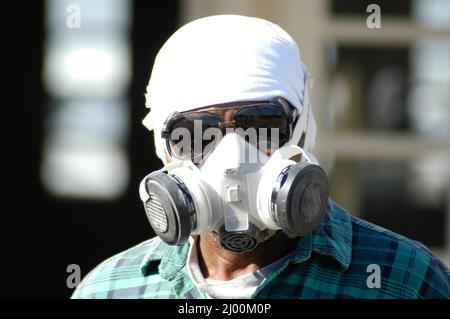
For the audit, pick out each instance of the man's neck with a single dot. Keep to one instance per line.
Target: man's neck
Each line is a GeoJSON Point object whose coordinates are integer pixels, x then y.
{"type": "Point", "coordinates": [220, 264]}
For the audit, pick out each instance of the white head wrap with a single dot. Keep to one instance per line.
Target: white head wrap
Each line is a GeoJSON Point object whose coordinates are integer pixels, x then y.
{"type": "Point", "coordinates": [221, 59]}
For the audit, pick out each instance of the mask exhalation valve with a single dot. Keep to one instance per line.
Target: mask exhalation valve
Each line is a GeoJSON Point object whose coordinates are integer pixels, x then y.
{"type": "Point", "coordinates": [239, 241]}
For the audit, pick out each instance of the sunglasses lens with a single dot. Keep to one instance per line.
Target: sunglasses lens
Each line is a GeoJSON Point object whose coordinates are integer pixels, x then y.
{"type": "Point", "coordinates": [189, 136]}
{"type": "Point", "coordinates": [269, 121]}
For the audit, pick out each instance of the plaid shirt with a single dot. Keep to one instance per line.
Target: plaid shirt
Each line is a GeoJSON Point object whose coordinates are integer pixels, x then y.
{"type": "Point", "coordinates": [332, 262]}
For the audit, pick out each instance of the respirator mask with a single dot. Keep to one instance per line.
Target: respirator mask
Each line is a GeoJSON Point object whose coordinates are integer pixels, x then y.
{"type": "Point", "coordinates": [234, 174]}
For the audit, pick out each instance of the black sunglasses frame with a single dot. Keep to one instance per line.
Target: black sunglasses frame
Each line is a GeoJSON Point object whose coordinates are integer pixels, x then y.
{"type": "Point", "coordinates": [290, 112]}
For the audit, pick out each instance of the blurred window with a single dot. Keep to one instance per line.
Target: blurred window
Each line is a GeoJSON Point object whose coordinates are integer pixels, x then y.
{"type": "Point", "coordinates": [87, 71]}
{"type": "Point", "coordinates": [387, 117]}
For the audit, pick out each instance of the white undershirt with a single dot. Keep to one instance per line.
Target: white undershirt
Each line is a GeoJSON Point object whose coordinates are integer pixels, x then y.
{"type": "Point", "coordinates": [241, 287]}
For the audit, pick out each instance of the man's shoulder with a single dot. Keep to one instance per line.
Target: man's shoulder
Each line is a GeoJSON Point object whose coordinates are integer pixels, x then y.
{"type": "Point", "coordinates": [407, 266]}
{"type": "Point", "coordinates": [121, 272]}
{"type": "Point", "coordinates": [369, 235]}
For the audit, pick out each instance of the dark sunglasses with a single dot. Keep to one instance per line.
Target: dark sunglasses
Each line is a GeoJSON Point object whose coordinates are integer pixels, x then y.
{"type": "Point", "coordinates": [206, 126]}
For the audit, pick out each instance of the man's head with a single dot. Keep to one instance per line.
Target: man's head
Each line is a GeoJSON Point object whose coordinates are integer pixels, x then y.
{"type": "Point", "coordinates": [218, 60]}
{"type": "Point", "coordinates": [244, 74]}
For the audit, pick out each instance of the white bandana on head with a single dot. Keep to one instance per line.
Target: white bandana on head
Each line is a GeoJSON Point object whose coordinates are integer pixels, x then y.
{"type": "Point", "coordinates": [222, 59]}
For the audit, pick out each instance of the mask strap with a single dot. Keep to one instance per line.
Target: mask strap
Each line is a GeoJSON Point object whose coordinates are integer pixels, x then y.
{"type": "Point", "coordinates": [309, 125]}
{"type": "Point", "coordinates": [303, 122]}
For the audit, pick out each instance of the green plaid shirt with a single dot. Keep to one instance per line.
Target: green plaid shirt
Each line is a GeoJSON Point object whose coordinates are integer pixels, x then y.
{"type": "Point", "coordinates": [333, 262]}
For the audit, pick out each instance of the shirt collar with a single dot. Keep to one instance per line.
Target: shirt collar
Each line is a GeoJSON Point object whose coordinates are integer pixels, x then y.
{"type": "Point", "coordinates": [333, 238]}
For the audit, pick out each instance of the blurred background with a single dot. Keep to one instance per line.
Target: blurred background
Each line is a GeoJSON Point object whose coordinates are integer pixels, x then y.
{"type": "Point", "coordinates": [74, 150]}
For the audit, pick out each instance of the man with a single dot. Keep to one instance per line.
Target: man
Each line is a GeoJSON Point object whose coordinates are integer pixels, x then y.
{"type": "Point", "coordinates": [228, 228]}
